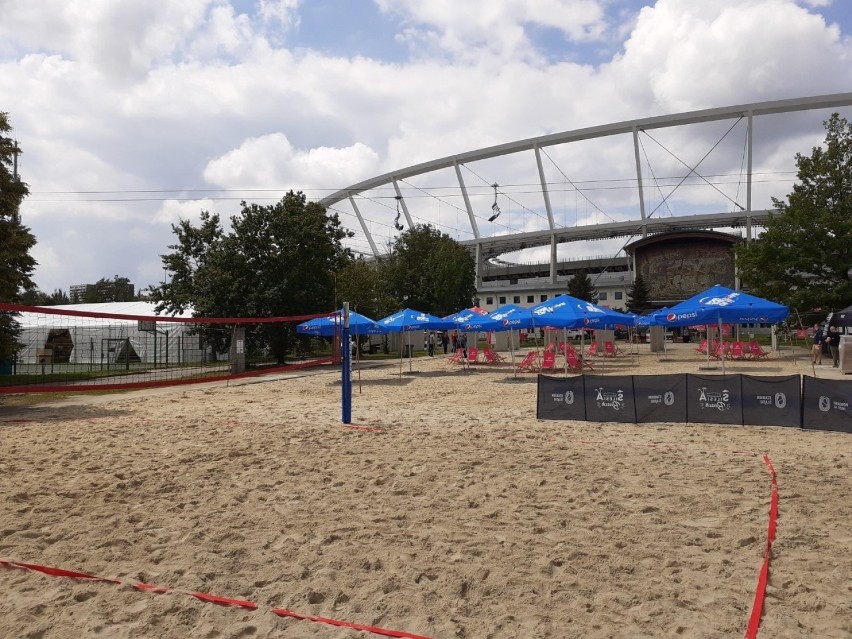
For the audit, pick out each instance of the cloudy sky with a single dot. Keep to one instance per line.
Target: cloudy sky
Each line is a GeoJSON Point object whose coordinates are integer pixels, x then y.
{"type": "Point", "coordinates": [134, 114]}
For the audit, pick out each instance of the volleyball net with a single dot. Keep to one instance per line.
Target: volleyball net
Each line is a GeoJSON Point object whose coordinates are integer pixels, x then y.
{"type": "Point", "coordinates": [60, 349]}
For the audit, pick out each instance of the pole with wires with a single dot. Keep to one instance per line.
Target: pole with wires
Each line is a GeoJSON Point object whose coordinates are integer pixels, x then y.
{"type": "Point", "coordinates": [346, 372]}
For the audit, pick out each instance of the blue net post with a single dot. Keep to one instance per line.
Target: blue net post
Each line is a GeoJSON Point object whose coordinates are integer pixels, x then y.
{"type": "Point", "coordinates": [346, 372]}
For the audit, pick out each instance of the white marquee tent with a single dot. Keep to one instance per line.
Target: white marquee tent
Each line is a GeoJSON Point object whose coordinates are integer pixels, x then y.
{"type": "Point", "coordinates": [97, 341]}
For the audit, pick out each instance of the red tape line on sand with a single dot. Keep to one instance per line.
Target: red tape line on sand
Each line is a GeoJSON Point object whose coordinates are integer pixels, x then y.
{"type": "Point", "coordinates": [215, 599]}
{"type": "Point", "coordinates": [763, 578]}
{"type": "Point", "coordinates": [347, 624]}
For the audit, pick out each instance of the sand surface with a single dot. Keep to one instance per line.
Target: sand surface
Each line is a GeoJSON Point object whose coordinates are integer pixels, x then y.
{"type": "Point", "coordinates": [460, 516]}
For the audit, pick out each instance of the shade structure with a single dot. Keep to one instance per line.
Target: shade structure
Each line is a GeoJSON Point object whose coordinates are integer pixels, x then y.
{"type": "Point", "coordinates": [470, 319]}
{"type": "Point", "coordinates": [333, 324]}
{"type": "Point", "coordinates": [410, 320]}
{"type": "Point", "coordinates": [841, 318]}
{"type": "Point", "coordinates": [719, 304]}
{"type": "Point", "coordinates": [565, 311]}
{"type": "Point", "coordinates": [510, 317]}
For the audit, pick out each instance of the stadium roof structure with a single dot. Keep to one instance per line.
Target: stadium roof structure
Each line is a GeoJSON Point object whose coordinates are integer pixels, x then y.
{"type": "Point", "coordinates": [640, 221]}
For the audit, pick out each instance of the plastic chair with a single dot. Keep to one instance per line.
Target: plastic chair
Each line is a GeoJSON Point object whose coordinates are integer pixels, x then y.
{"type": "Point", "coordinates": [611, 350]}
{"type": "Point", "coordinates": [457, 357]}
{"type": "Point", "coordinates": [491, 357]}
{"type": "Point", "coordinates": [548, 363]}
{"type": "Point", "coordinates": [576, 364]}
{"type": "Point", "coordinates": [757, 351]}
{"type": "Point", "coordinates": [737, 350]}
{"type": "Point", "coordinates": [529, 364]}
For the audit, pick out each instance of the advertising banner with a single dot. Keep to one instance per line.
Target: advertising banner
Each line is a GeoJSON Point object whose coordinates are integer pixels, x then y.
{"type": "Point", "coordinates": [560, 398]}
{"type": "Point", "coordinates": [660, 398]}
{"type": "Point", "coordinates": [609, 398]}
{"type": "Point", "coordinates": [772, 401]}
{"type": "Point", "coordinates": [714, 399]}
{"type": "Point", "coordinates": [826, 404]}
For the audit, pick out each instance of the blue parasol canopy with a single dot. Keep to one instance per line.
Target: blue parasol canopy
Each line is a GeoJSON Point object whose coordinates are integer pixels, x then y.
{"type": "Point", "coordinates": [411, 320]}
{"type": "Point", "coordinates": [565, 311]}
{"type": "Point", "coordinates": [470, 319]}
{"type": "Point", "coordinates": [333, 324]}
{"type": "Point", "coordinates": [721, 304]}
{"type": "Point", "coordinates": [510, 317]}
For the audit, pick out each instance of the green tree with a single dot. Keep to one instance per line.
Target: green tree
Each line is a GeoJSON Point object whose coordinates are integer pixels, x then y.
{"type": "Point", "coordinates": [639, 296]}
{"type": "Point", "coordinates": [804, 257]}
{"type": "Point", "coordinates": [429, 271]}
{"type": "Point", "coordinates": [16, 241]}
{"type": "Point", "coordinates": [277, 260]}
{"type": "Point", "coordinates": [581, 287]}
{"type": "Point", "coordinates": [361, 284]}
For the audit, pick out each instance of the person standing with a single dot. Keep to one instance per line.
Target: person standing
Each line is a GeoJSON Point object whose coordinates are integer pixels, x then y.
{"type": "Point", "coordinates": [834, 345]}
{"type": "Point", "coordinates": [431, 343]}
{"type": "Point", "coordinates": [818, 340]}
{"type": "Point", "coordinates": [445, 341]}
{"type": "Point", "coordinates": [462, 344]}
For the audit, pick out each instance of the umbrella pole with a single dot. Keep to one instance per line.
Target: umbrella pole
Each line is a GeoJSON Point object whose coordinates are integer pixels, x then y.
{"type": "Point", "coordinates": [721, 345]}
{"type": "Point", "coordinates": [409, 352]}
{"type": "Point", "coordinates": [709, 345]}
{"type": "Point", "coordinates": [512, 351]}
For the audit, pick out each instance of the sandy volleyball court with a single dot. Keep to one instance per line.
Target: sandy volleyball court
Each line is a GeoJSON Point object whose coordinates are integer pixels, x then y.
{"type": "Point", "coordinates": [461, 515]}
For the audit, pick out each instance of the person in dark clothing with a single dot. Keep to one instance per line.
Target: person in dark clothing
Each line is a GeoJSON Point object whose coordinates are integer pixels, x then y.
{"type": "Point", "coordinates": [431, 343]}
{"type": "Point", "coordinates": [445, 341]}
{"type": "Point", "coordinates": [833, 339]}
{"type": "Point", "coordinates": [818, 340]}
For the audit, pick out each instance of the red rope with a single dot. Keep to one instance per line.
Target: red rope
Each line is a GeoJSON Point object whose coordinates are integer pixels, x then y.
{"type": "Point", "coordinates": [214, 599]}
{"type": "Point", "coordinates": [763, 577]}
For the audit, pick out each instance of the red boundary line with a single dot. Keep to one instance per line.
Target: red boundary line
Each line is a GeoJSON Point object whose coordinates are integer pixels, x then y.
{"type": "Point", "coordinates": [763, 577]}
{"type": "Point", "coordinates": [214, 599]}
{"type": "Point", "coordinates": [751, 630]}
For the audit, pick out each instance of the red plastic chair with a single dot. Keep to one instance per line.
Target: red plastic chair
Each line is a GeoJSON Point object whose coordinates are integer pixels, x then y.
{"type": "Point", "coordinates": [529, 364]}
{"type": "Point", "coordinates": [576, 364]}
{"type": "Point", "coordinates": [548, 363]}
{"type": "Point", "coordinates": [757, 351]}
{"type": "Point", "coordinates": [738, 350]}
{"type": "Point", "coordinates": [491, 357]}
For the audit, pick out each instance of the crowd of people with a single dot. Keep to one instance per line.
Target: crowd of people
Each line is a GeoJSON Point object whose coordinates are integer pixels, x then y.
{"type": "Point", "coordinates": [433, 339]}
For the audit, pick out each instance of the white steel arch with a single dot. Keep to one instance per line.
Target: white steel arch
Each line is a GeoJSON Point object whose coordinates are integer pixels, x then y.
{"type": "Point", "coordinates": [486, 247]}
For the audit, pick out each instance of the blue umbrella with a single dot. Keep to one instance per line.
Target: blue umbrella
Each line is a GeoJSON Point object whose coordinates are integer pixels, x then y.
{"type": "Point", "coordinates": [565, 311]}
{"type": "Point", "coordinates": [719, 304]}
{"type": "Point", "coordinates": [411, 320]}
{"type": "Point", "coordinates": [511, 316]}
{"type": "Point", "coordinates": [333, 324]}
{"type": "Point", "coordinates": [469, 320]}
{"type": "Point", "coordinates": [723, 305]}
{"type": "Point", "coordinates": [408, 320]}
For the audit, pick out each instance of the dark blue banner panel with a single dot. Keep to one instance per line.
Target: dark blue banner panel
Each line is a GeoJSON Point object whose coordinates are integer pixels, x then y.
{"type": "Point", "coordinates": [609, 398]}
{"type": "Point", "coordinates": [772, 401]}
{"type": "Point", "coordinates": [826, 404]}
{"type": "Point", "coordinates": [560, 398]}
{"type": "Point", "coordinates": [714, 399]}
{"type": "Point", "coordinates": [660, 398]}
